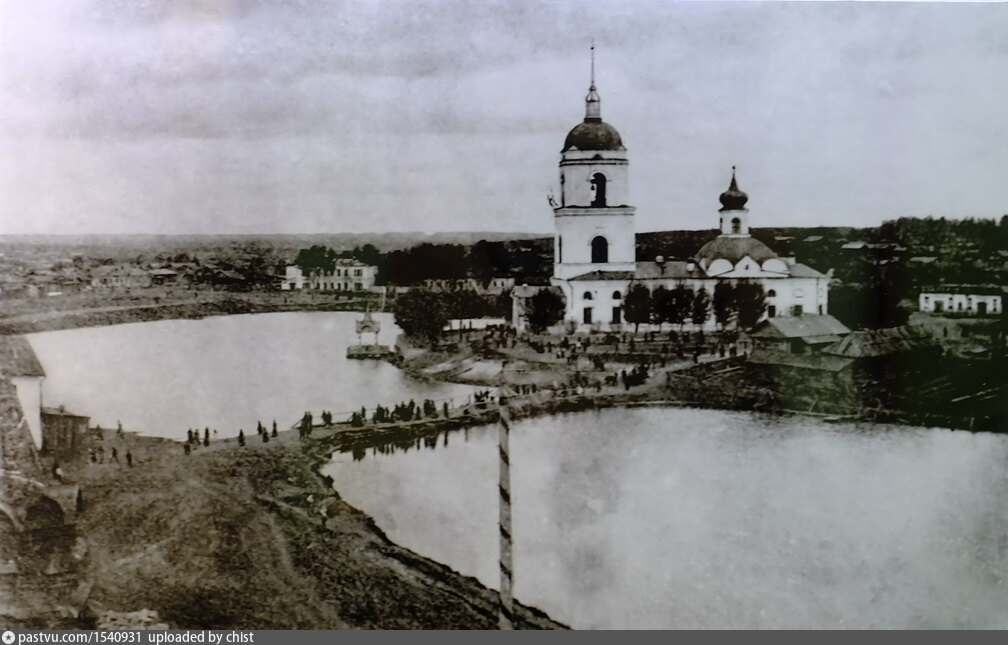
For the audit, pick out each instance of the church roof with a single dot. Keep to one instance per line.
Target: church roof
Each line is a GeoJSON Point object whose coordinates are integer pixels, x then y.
{"type": "Point", "coordinates": [880, 342]}
{"type": "Point", "coordinates": [667, 269]}
{"type": "Point", "coordinates": [799, 270]}
{"type": "Point", "coordinates": [592, 276]}
{"type": "Point", "coordinates": [733, 249]}
{"type": "Point", "coordinates": [733, 199]}
{"type": "Point", "coordinates": [593, 134]}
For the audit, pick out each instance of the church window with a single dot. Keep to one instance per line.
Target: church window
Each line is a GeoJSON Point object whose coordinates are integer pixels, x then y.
{"type": "Point", "coordinates": [559, 247]}
{"type": "Point", "coordinates": [771, 294]}
{"type": "Point", "coordinates": [616, 295]}
{"type": "Point", "coordinates": [587, 295]}
{"type": "Point", "coordinates": [587, 315]}
{"type": "Point", "coordinates": [771, 311]}
{"type": "Point", "coordinates": [598, 182]}
{"type": "Point", "coordinates": [736, 226]}
{"type": "Point", "coordinates": [799, 293]}
{"type": "Point", "coordinates": [599, 250]}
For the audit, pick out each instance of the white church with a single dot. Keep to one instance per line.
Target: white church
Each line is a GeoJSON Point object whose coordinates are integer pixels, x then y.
{"type": "Point", "coordinates": [595, 247]}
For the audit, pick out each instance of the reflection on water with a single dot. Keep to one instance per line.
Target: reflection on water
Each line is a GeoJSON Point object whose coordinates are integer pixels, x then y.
{"type": "Point", "coordinates": [691, 518]}
{"type": "Point", "coordinates": [225, 372]}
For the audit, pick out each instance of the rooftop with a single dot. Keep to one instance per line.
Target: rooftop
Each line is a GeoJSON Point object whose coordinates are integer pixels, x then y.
{"type": "Point", "coordinates": [17, 358]}
{"type": "Point", "coordinates": [805, 326]}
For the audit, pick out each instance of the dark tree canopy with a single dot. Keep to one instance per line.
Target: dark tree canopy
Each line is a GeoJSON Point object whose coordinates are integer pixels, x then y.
{"type": "Point", "coordinates": [682, 304]}
{"type": "Point", "coordinates": [316, 258]}
{"type": "Point", "coordinates": [421, 314]}
{"type": "Point", "coordinates": [662, 306]}
{"type": "Point", "coordinates": [700, 308]}
{"type": "Point", "coordinates": [750, 303]}
{"type": "Point", "coordinates": [637, 305]}
{"type": "Point", "coordinates": [724, 305]}
{"type": "Point", "coordinates": [545, 308]}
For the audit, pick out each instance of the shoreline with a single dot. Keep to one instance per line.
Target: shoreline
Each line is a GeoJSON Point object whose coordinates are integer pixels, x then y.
{"type": "Point", "coordinates": [255, 537]}
{"type": "Point", "coordinates": [230, 303]}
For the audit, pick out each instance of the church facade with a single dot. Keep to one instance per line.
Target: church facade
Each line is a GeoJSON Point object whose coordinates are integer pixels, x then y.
{"type": "Point", "coordinates": [595, 255]}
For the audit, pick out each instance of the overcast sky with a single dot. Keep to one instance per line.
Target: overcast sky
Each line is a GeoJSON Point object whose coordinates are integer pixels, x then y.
{"type": "Point", "coordinates": [286, 116]}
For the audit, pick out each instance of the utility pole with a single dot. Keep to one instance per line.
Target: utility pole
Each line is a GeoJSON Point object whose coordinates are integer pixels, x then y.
{"type": "Point", "coordinates": [506, 559]}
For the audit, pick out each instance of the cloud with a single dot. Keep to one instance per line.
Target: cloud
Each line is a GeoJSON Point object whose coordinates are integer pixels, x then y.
{"type": "Point", "coordinates": [219, 115]}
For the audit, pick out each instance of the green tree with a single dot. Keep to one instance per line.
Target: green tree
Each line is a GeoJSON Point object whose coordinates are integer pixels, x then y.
{"type": "Point", "coordinates": [700, 308]}
{"type": "Point", "coordinates": [316, 258]}
{"type": "Point", "coordinates": [637, 306]}
{"type": "Point", "coordinates": [682, 305]}
{"type": "Point", "coordinates": [724, 303]}
{"type": "Point", "coordinates": [420, 314]}
{"type": "Point", "coordinates": [750, 303]}
{"type": "Point", "coordinates": [663, 306]}
{"type": "Point", "coordinates": [545, 308]}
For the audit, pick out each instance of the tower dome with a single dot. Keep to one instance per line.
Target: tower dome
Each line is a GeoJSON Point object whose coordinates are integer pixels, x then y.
{"type": "Point", "coordinates": [733, 199]}
{"type": "Point", "coordinates": [593, 133]}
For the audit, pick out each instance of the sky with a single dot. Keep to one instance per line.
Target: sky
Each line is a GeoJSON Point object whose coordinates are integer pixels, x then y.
{"type": "Point", "coordinates": [289, 116]}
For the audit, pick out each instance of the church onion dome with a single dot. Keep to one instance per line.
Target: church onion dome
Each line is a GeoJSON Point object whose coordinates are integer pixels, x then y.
{"type": "Point", "coordinates": [734, 249]}
{"type": "Point", "coordinates": [593, 135]}
{"type": "Point", "coordinates": [733, 199]}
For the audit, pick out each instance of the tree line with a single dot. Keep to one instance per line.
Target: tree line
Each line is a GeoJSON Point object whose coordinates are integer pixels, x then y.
{"type": "Point", "coordinates": [741, 303]}
{"type": "Point", "coordinates": [423, 314]}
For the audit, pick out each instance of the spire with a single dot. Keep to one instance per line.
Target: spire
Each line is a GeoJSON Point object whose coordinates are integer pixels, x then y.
{"type": "Point", "coordinates": [733, 199]}
{"type": "Point", "coordinates": [593, 111]}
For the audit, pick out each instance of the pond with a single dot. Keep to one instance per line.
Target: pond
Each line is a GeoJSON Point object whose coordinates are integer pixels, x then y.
{"type": "Point", "coordinates": [684, 518]}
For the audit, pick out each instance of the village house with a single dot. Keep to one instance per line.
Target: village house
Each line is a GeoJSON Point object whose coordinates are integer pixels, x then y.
{"type": "Point", "coordinates": [967, 300]}
{"type": "Point", "coordinates": [347, 275]}
{"type": "Point", "coordinates": [119, 276]}
{"type": "Point", "coordinates": [64, 434]}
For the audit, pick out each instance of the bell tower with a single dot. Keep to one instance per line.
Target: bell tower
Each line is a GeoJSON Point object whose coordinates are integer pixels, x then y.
{"type": "Point", "coordinates": [734, 219]}
{"type": "Point", "coordinates": [594, 223]}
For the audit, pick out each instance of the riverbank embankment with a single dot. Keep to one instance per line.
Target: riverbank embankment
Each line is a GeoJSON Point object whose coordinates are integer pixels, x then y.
{"type": "Point", "coordinates": [51, 315]}
{"type": "Point", "coordinates": [250, 537]}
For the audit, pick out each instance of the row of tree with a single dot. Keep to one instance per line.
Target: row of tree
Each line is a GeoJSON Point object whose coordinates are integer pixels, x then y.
{"type": "Point", "coordinates": [742, 302]}
{"type": "Point", "coordinates": [423, 314]}
{"type": "Point", "coordinates": [323, 259]}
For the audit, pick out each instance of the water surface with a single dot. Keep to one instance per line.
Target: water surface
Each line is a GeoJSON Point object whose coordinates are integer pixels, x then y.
{"type": "Point", "coordinates": [225, 372]}
{"type": "Point", "coordinates": [669, 518]}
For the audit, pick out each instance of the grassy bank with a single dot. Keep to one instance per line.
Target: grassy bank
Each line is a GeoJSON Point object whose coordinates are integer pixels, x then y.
{"type": "Point", "coordinates": [253, 538]}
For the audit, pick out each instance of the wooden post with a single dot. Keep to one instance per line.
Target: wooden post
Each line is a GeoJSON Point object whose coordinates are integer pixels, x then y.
{"type": "Point", "coordinates": [506, 560]}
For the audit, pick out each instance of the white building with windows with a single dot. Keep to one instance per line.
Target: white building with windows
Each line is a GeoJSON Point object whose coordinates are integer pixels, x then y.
{"type": "Point", "coordinates": [967, 300]}
{"type": "Point", "coordinates": [347, 275]}
{"type": "Point", "coordinates": [595, 250]}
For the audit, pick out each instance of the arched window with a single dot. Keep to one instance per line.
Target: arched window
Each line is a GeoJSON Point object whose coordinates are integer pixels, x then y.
{"type": "Point", "coordinates": [587, 295]}
{"type": "Point", "coordinates": [598, 182]}
{"type": "Point", "coordinates": [616, 295]}
{"type": "Point", "coordinates": [771, 293]}
{"type": "Point", "coordinates": [736, 225]}
{"type": "Point", "coordinates": [600, 250]}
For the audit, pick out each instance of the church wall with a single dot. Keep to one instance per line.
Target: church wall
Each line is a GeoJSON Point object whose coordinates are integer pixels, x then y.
{"type": "Point", "coordinates": [575, 234]}
{"type": "Point", "coordinates": [577, 186]}
{"type": "Point", "coordinates": [789, 292]}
